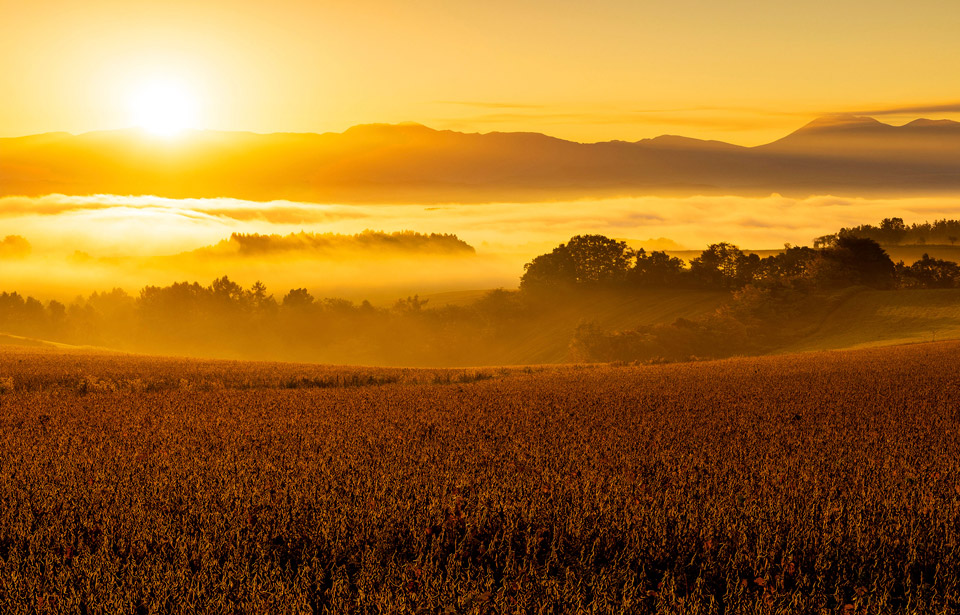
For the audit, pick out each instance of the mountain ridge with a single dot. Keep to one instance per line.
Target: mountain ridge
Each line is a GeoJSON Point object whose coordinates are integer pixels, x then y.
{"type": "Point", "coordinates": [410, 162]}
{"type": "Point", "coordinates": [824, 121]}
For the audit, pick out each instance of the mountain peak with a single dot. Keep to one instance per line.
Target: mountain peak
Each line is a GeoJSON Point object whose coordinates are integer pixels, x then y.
{"type": "Point", "coordinates": [384, 129]}
{"type": "Point", "coordinates": [925, 123]}
{"type": "Point", "coordinates": [841, 121]}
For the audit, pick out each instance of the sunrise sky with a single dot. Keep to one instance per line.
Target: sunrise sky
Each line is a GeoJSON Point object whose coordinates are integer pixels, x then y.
{"type": "Point", "coordinates": [745, 71]}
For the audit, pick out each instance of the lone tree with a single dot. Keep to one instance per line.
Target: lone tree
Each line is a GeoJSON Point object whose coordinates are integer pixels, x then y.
{"type": "Point", "coordinates": [584, 260]}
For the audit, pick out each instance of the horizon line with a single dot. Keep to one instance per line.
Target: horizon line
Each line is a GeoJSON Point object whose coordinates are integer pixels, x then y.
{"type": "Point", "coordinates": [178, 137]}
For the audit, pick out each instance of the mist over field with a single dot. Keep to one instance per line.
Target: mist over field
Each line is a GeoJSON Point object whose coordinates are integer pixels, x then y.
{"type": "Point", "coordinates": [79, 244]}
{"type": "Point", "coordinates": [475, 308]}
{"type": "Point", "coordinates": [470, 308]}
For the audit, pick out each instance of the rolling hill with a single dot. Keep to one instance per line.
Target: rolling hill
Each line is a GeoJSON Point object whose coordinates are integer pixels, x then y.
{"type": "Point", "coordinates": [885, 318]}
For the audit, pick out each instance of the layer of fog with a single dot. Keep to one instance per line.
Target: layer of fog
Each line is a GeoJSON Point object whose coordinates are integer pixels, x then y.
{"type": "Point", "coordinates": [80, 244]}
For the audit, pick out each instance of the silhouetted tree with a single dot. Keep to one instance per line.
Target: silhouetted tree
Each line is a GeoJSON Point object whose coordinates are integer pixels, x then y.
{"type": "Point", "coordinates": [585, 259]}
{"type": "Point", "coordinates": [410, 305]}
{"type": "Point", "coordinates": [790, 265]}
{"type": "Point", "coordinates": [112, 303]}
{"type": "Point", "coordinates": [860, 260]}
{"type": "Point", "coordinates": [657, 269]}
{"type": "Point", "coordinates": [599, 259]}
{"type": "Point", "coordinates": [259, 299]}
{"type": "Point", "coordinates": [724, 265]}
{"type": "Point", "coordinates": [22, 316]}
{"type": "Point", "coordinates": [892, 230]}
{"type": "Point", "coordinates": [825, 241]}
{"type": "Point", "coordinates": [228, 292]}
{"type": "Point", "coordinates": [298, 298]}
{"type": "Point", "coordinates": [930, 273]}
{"type": "Point", "coordinates": [553, 270]}
{"type": "Point", "coordinates": [14, 246]}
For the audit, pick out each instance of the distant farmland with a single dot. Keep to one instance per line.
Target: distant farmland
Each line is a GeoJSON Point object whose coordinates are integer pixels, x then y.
{"type": "Point", "coordinates": [786, 484]}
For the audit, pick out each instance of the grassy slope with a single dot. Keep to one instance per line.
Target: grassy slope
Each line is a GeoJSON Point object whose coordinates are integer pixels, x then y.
{"type": "Point", "coordinates": [548, 341]}
{"type": "Point", "coordinates": [453, 297]}
{"type": "Point", "coordinates": [884, 318]}
{"type": "Point", "coordinates": [861, 318]}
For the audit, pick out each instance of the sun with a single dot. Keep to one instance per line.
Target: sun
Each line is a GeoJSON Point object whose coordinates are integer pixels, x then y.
{"type": "Point", "coordinates": [163, 107]}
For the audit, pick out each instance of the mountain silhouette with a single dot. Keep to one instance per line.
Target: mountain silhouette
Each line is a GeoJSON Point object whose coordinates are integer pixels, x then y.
{"type": "Point", "coordinates": [394, 163]}
{"type": "Point", "coordinates": [934, 142]}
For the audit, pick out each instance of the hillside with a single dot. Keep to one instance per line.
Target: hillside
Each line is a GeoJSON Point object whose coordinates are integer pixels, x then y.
{"type": "Point", "coordinates": [886, 318]}
{"type": "Point", "coordinates": [542, 334]}
{"type": "Point", "coordinates": [411, 163]}
{"type": "Point", "coordinates": [548, 340]}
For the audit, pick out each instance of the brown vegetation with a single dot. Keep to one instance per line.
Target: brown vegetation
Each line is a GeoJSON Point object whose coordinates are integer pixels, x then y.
{"type": "Point", "coordinates": [776, 485]}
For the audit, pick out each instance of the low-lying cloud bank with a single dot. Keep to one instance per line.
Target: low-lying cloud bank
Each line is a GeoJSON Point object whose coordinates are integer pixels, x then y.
{"type": "Point", "coordinates": [128, 229]}
{"type": "Point", "coordinates": [152, 225]}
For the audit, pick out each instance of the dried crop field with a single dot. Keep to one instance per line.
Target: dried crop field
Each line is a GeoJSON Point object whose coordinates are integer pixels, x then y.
{"type": "Point", "coordinates": [808, 483]}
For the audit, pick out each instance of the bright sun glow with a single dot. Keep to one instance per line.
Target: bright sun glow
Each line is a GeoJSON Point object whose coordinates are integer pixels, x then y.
{"type": "Point", "coordinates": [163, 108]}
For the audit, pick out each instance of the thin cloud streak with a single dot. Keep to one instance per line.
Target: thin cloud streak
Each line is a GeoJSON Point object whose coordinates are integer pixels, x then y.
{"type": "Point", "coordinates": [705, 122]}
{"type": "Point", "coordinates": [579, 119]}
{"type": "Point", "coordinates": [275, 212]}
{"type": "Point", "coordinates": [490, 105]}
{"type": "Point", "coordinates": [929, 108]}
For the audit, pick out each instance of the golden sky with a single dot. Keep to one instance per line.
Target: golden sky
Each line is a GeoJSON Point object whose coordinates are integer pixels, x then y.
{"type": "Point", "coordinates": [745, 71]}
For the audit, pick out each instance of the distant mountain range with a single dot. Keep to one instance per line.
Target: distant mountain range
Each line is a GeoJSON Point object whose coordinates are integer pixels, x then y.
{"type": "Point", "coordinates": [394, 163]}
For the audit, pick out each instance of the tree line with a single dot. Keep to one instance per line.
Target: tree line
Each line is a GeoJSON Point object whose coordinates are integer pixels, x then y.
{"type": "Point", "coordinates": [849, 260]}
{"type": "Point", "coordinates": [766, 297]}
{"type": "Point", "coordinates": [332, 244]}
{"type": "Point", "coordinates": [225, 319]}
{"type": "Point", "coordinates": [893, 232]}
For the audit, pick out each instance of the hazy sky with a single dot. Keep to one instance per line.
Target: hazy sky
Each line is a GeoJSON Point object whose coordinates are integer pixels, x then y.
{"type": "Point", "coordinates": [746, 71]}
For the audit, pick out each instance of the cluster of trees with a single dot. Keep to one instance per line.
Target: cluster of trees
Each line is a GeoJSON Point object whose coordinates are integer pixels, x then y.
{"type": "Point", "coordinates": [227, 319]}
{"type": "Point", "coordinates": [26, 315]}
{"type": "Point", "coordinates": [595, 260]}
{"type": "Point", "coordinates": [14, 246]}
{"type": "Point", "coordinates": [893, 231]}
{"type": "Point", "coordinates": [257, 245]}
{"type": "Point", "coordinates": [773, 298]}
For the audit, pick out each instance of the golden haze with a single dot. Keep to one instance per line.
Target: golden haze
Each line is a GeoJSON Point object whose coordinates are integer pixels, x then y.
{"type": "Point", "coordinates": [745, 71]}
{"type": "Point", "coordinates": [81, 244]}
